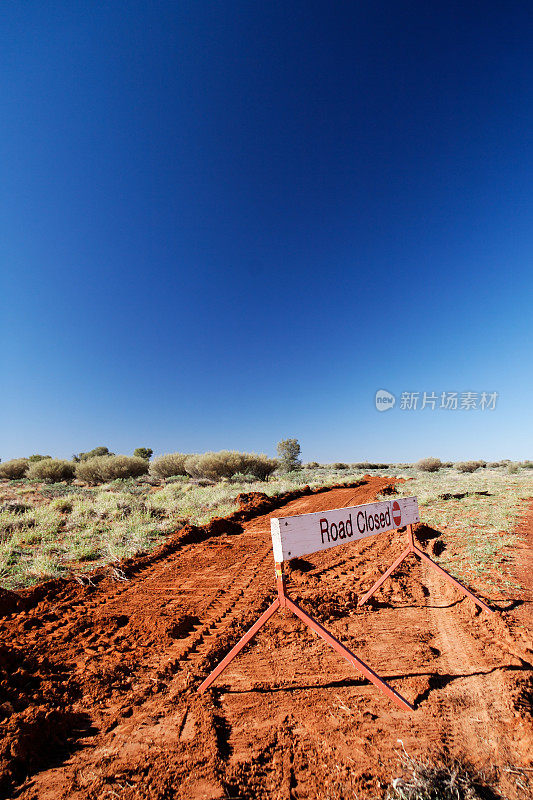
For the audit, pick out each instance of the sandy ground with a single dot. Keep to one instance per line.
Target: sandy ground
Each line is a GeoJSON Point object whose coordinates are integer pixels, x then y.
{"type": "Point", "coordinates": [99, 682]}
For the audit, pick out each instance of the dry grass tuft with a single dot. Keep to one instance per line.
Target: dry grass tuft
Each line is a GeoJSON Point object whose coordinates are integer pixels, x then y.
{"type": "Point", "coordinates": [426, 780]}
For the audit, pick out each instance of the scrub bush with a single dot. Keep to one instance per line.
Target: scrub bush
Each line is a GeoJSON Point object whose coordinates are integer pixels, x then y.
{"type": "Point", "coordinates": [312, 465]}
{"type": "Point", "coordinates": [227, 463]}
{"type": "Point", "coordinates": [98, 451]}
{"type": "Point", "coordinates": [468, 466]}
{"type": "Point", "coordinates": [339, 465]}
{"type": "Point", "coordinates": [37, 457]}
{"type": "Point", "coordinates": [429, 464]}
{"type": "Point", "coordinates": [168, 465]}
{"type": "Point", "coordinates": [108, 468]}
{"type": "Point", "coordinates": [261, 466]}
{"type": "Point", "coordinates": [51, 470]}
{"type": "Point", "coordinates": [215, 465]}
{"type": "Point", "coordinates": [14, 469]}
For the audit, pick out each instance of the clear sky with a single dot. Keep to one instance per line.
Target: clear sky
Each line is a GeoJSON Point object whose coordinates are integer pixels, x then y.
{"type": "Point", "coordinates": [227, 223]}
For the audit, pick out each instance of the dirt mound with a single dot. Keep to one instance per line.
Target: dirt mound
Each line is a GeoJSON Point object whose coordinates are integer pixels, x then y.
{"type": "Point", "coordinates": [9, 602]}
{"type": "Point", "coordinates": [98, 682]}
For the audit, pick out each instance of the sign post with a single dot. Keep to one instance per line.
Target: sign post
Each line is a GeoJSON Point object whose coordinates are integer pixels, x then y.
{"type": "Point", "coordinates": [308, 533]}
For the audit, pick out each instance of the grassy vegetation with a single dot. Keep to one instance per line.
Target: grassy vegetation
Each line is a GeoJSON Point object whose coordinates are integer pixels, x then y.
{"type": "Point", "coordinates": [60, 529]}
{"type": "Point", "coordinates": [476, 512]}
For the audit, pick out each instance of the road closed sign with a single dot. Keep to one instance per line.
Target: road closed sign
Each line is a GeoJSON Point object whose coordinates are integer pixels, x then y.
{"type": "Point", "coordinates": [309, 533]}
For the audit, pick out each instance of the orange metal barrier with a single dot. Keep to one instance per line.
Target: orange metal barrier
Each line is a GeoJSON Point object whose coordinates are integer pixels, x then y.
{"type": "Point", "coordinates": [284, 601]}
{"type": "Point", "coordinates": [412, 548]}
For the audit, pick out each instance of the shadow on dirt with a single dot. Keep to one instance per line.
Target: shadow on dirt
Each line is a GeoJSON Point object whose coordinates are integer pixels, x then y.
{"type": "Point", "coordinates": [424, 533]}
{"type": "Point", "coordinates": [461, 495]}
{"type": "Point", "coordinates": [183, 627]}
{"type": "Point", "coordinates": [40, 739]}
{"type": "Point", "coordinates": [440, 681]}
{"type": "Point", "coordinates": [300, 565]}
{"type": "Point", "coordinates": [507, 605]}
{"type": "Point", "coordinates": [435, 681]}
{"type": "Point", "coordinates": [372, 602]}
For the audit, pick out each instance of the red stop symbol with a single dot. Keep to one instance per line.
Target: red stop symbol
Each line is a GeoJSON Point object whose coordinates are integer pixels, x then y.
{"type": "Point", "coordinates": [396, 513]}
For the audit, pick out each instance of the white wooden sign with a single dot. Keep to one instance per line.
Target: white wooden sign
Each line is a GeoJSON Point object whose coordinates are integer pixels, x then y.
{"type": "Point", "coordinates": [309, 533]}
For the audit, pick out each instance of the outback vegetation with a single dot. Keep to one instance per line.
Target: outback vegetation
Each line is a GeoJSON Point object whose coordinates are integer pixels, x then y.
{"type": "Point", "coordinates": [136, 680]}
{"type": "Point", "coordinates": [429, 464]}
{"type": "Point", "coordinates": [289, 454]}
{"type": "Point", "coordinates": [60, 518]}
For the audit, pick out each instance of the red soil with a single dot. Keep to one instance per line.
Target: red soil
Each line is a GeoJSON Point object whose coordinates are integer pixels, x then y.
{"type": "Point", "coordinates": [98, 682]}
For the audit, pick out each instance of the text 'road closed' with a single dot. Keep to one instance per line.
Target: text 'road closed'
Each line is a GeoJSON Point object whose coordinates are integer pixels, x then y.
{"type": "Point", "coordinates": [308, 533]}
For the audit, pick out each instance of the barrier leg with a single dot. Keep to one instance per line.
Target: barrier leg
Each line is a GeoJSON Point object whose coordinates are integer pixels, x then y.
{"type": "Point", "coordinates": [348, 655]}
{"type": "Point", "coordinates": [265, 616]}
{"type": "Point", "coordinates": [452, 580]}
{"type": "Point", "coordinates": [385, 575]}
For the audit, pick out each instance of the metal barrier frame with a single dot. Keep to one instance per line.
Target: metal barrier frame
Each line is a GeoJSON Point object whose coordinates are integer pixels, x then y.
{"type": "Point", "coordinates": [284, 601]}
{"type": "Point", "coordinates": [412, 548]}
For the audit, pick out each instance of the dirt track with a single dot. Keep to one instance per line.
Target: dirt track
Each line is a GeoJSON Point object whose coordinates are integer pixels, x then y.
{"type": "Point", "coordinates": [98, 683]}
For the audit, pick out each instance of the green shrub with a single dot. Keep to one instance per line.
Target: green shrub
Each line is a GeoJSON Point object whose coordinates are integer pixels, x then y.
{"type": "Point", "coordinates": [261, 466]}
{"type": "Point", "coordinates": [37, 457]}
{"type": "Point", "coordinates": [98, 451]}
{"type": "Point", "coordinates": [168, 465]}
{"type": "Point", "coordinates": [143, 452]}
{"type": "Point", "coordinates": [108, 468]}
{"type": "Point", "coordinates": [429, 464]}
{"type": "Point", "coordinates": [527, 464]}
{"type": "Point", "coordinates": [512, 469]}
{"type": "Point", "coordinates": [227, 463]}
{"type": "Point", "coordinates": [14, 469]}
{"type": "Point", "coordinates": [241, 477]}
{"type": "Point", "coordinates": [62, 504]}
{"type": "Point", "coordinates": [312, 465]}
{"type": "Point", "coordinates": [51, 470]}
{"type": "Point", "coordinates": [215, 466]}
{"type": "Point", "coordinates": [468, 466]}
{"type": "Point", "coordinates": [339, 465]}
{"type": "Point", "coordinates": [289, 454]}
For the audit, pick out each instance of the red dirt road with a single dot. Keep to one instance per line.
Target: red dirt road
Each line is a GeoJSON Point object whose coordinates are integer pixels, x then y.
{"type": "Point", "coordinates": [99, 683]}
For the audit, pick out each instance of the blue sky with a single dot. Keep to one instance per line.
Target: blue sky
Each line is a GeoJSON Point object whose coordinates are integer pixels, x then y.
{"type": "Point", "coordinates": [224, 224]}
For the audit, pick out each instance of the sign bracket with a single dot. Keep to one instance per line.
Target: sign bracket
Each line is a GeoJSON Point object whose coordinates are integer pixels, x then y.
{"type": "Point", "coordinates": [412, 548]}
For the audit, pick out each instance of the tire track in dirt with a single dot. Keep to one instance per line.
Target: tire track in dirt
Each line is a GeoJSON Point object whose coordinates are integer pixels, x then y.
{"type": "Point", "coordinates": [289, 718]}
{"type": "Point", "coordinates": [135, 670]}
{"type": "Point", "coordinates": [477, 712]}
